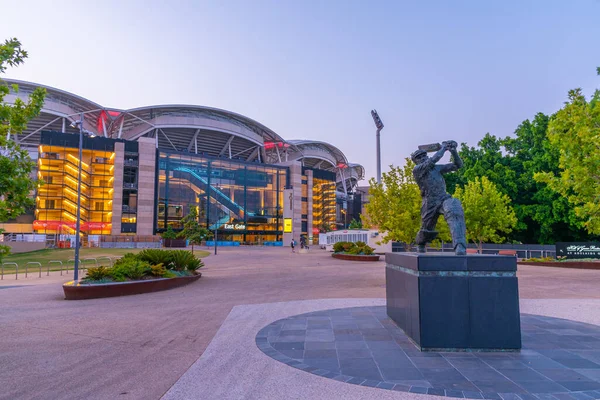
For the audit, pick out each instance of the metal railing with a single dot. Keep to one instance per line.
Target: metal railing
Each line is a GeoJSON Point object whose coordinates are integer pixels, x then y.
{"type": "Point", "coordinates": [84, 265]}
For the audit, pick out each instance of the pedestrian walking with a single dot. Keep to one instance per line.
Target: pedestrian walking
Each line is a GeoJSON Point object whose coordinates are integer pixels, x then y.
{"type": "Point", "coordinates": [293, 244]}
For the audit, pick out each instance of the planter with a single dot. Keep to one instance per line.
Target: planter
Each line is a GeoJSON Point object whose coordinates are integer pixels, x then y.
{"type": "Point", "coordinates": [174, 243]}
{"type": "Point", "coordinates": [95, 291]}
{"type": "Point", "coordinates": [358, 257]}
{"type": "Point", "coordinates": [565, 264]}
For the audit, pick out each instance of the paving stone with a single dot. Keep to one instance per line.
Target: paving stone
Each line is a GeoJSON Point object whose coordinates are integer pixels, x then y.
{"type": "Point", "coordinates": [365, 348]}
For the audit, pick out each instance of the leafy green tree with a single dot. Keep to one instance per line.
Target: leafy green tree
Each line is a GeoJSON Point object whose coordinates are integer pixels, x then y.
{"type": "Point", "coordinates": [395, 205]}
{"type": "Point", "coordinates": [325, 227]}
{"type": "Point", "coordinates": [169, 233]}
{"type": "Point", "coordinates": [488, 214]}
{"type": "Point", "coordinates": [354, 224]}
{"type": "Point", "coordinates": [192, 231]}
{"type": "Point", "coordinates": [16, 184]}
{"type": "Point", "coordinates": [543, 215]}
{"type": "Point", "coordinates": [575, 131]}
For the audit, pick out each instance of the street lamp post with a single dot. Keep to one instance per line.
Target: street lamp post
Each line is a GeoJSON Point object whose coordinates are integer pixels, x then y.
{"type": "Point", "coordinates": [216, 239]}
{"type": "Point", "coordinates": [78, 222]}
{"type": "Point", "coordinates": [379, 126]}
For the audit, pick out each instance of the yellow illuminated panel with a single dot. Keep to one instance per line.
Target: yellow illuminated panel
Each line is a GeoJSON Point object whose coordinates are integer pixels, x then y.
{"type": "Point", "coordinates": [287, 225]}
{"type": "Point", "coordinates": [56, 203]}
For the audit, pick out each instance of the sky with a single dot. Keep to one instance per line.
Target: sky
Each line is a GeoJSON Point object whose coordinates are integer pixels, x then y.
{"type": "Point", "coordinates": [434, 70]}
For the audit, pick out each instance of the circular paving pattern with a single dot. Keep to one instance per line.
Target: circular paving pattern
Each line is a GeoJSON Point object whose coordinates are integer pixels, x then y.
{"type": "Point", "coordinates": [560, 359]}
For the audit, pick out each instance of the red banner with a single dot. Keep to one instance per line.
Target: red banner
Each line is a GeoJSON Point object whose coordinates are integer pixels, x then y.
{"type": "Point", "coordinates": [57, 225]}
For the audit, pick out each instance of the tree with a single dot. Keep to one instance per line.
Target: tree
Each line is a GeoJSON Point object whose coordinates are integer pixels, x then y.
{"type": "Point", "coordinates": [192, 231]}
{"type": "Point", "coordinates": [325, 227]}
{"type": "Point", "coordinates": [169, 233]}
{"type": "Point", "coordinates": [16, 184]}
{"type": "Point", "coordinates": [543, 215]}
{"type": "Point", "coordinates": [488, 214]}
{"type": "Point", "coordinates": [354, 224]}
{"type": "Point", "coordinates": [575, 131]}
{"type": "Point", "coordinates": [394, 205]}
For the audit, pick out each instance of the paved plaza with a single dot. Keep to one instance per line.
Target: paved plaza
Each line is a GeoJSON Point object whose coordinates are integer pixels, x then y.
{"type": "Point", "coordinates": [199, 341]}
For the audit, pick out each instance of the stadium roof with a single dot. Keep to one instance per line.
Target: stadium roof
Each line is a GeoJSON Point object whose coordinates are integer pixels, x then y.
{"type": "Point", "coordinates": [186, 128]}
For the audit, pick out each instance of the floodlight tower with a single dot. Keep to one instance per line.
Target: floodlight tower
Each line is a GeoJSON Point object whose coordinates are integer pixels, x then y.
{"type": "Point", "coordinates": [379, 126]}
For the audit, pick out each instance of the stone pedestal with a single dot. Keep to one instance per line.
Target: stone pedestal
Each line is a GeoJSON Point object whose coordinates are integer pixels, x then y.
{"type": "Point", "coordinates": [444, 301]}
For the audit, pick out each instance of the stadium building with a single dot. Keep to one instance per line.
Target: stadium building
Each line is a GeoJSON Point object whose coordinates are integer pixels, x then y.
{"type": "Point", "coordinates": [143, 169]}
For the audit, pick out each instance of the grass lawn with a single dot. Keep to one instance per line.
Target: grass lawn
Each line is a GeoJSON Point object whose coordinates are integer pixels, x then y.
{"type": "Point", "coordinates": [64, 255]}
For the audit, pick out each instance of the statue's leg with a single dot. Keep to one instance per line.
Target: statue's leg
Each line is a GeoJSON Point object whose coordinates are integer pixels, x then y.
{"type": "Point", "coordinates": [455, 217]}
{"type": "Point", "coordinates": [427, 232]}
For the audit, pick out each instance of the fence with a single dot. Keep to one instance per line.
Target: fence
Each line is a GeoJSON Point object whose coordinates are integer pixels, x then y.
{"type": "Point", "coordinates": [13, 268]}
{"type": "Point", "coordinates": [522, 250]}
{"type": "Point", "coordinates": [130, 242]}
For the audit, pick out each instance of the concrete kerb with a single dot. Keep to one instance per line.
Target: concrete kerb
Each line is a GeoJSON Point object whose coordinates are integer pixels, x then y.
{"type": "Point", "coordinates": [222, 370]}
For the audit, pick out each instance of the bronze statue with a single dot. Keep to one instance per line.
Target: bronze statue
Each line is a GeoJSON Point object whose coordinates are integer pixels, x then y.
{"type": "Point", "coordinates": [429, 177]}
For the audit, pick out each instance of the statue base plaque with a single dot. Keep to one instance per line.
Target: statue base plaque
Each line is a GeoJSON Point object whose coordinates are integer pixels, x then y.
{"type": "Point", "coordinates": [455, 303]}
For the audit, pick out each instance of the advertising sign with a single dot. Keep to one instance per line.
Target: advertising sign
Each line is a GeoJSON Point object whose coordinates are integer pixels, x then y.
{"type": "Point", "coordinates": [287, 225]}
{"type": "Point", "coordinates": [572, 250]}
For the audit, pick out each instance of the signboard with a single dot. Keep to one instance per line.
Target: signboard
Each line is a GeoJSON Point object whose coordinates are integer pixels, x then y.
{"type": "Point", "coordinates": [572, 250]}
{"type": "Point", "coordinates": [287, 225]}
{"type": "Point", "coordinates": [236, 227]}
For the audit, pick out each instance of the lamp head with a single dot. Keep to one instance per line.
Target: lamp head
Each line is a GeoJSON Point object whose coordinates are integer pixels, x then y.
{"type": "Point", "coordinates": [75, 124]}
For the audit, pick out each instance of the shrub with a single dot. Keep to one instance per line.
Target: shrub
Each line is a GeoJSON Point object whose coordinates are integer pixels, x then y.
{"type": "Point", "coordinates": [156, 256]}
{"type": "Point", "coordinates": [339, 247]}
{"type": "Point", "coordinates": [158, 271]}
{"type": "Point", "coordinates": [97, 274]}
{"type": "Point", "coordinates": [130, 269]}
{"type": "Point", "coordinates": [184, 260]}
{"type": "Point", "coordinates": [127, 258]}
{"type": "Point", "coordinates": [353, 248]}
{"type": "Point", "coordinates": [367, 250]}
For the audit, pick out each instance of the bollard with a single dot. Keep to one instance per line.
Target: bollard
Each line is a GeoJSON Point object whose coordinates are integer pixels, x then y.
{"type": "Point", "coordinates": [2, 275]}
{"type": "Point", "coordinates": [33, 263]}
{"type": "Point", "coordinates": [56, 262]}
{"type": "Point", "coordinates": [16, 269]}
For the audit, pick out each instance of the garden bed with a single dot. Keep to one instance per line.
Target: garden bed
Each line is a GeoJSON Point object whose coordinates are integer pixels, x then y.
{"type": "Point", "coordinates": [83, 291]}
{"type": "Point", "coordinates": [564, 264]}
{"type": "Point", "coordinates": [355, 257]}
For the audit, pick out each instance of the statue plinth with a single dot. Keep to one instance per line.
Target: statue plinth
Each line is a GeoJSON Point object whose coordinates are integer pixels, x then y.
{"type": "Point", "coordinates": [449, 302]}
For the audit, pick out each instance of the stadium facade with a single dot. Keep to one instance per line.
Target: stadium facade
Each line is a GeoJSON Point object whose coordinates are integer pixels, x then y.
{"type": "Point", "coordinates": [143, 169]}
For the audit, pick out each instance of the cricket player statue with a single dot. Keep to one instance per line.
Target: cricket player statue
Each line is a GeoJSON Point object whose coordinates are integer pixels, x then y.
{"type": "Point", "coordinates": [430, 178]}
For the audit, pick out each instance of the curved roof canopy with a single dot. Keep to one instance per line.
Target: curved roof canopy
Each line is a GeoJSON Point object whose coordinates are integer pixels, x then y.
{"type": "Point", "coordinates": [186, 128]}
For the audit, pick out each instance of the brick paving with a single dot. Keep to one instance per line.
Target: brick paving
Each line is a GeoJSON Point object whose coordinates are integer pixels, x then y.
{"type": "Point", "coordinates": [137, 347]}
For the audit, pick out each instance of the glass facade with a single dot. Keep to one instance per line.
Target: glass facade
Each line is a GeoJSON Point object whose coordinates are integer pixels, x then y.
{"type": "Point", "coordinates": [58, 170]}
{"type": "Point", "coordinates": [242, 201]}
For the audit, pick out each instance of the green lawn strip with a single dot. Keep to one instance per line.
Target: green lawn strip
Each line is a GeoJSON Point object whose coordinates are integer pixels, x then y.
{"type": "Point", "coordinates": [64, 255]}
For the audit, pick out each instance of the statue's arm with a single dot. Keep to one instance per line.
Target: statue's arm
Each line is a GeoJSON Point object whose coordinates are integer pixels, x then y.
{"type": "Point", "coordinates": [435, 158]}
{"type": "Point", "coordinates": [456, 164]}
{"type": "Point", "coordinates": [456, 158]}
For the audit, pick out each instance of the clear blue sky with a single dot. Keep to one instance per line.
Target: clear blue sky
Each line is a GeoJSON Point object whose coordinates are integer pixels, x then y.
{"type": "Point", "coordinates": [434, 70]}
